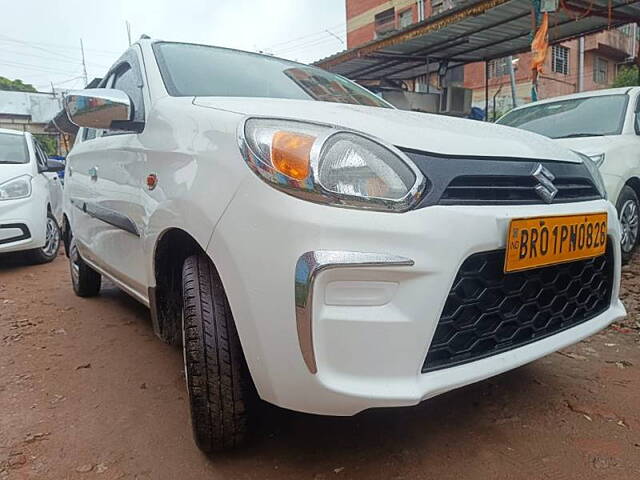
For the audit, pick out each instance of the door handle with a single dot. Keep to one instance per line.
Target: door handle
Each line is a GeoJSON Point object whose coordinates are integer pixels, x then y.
{"type": "Point", "coordinates": [93, 173]}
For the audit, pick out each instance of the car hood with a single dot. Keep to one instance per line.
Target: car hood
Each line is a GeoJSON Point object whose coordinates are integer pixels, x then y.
{"type": "Point", "coordinates": [12, 170]}
{"type": "Point", "coordinates": [437, 134]}
{"type": "Point", "coordinates": [590, 145]}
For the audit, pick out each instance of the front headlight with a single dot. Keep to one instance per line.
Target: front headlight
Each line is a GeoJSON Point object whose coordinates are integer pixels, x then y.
{"type": "Point", "coordinates": [19, 187]}
{"type": "Point", "coordinates": [328, 165]}
{"type": "Point", "coordinates": [595, 173]}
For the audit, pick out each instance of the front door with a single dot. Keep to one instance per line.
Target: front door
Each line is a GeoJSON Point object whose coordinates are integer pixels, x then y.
{"type": "Point", "coordinates": [112, 165]}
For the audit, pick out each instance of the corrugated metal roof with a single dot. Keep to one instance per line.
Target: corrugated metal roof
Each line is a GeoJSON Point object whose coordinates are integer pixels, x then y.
{"type": "Point", "coordinates": [473, 31]}
{"type": "Point", "coordinates": [41, 107]}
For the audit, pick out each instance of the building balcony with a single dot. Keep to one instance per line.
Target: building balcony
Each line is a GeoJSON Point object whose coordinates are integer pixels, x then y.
{"type": "Point", "coordinates": [611, 44]}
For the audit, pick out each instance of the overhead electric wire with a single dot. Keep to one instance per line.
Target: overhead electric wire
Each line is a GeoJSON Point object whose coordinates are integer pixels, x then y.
{"type": "Point", "coordinates": [32, 67]}
{"type": "Point", "coordinates": [77, 62]}
{"type": "Point", "coordinates": [293, 40]}
{"type": "Point", "coordinates": [315, 43]}
{"type": "Point", "coordinates": [58, 45]}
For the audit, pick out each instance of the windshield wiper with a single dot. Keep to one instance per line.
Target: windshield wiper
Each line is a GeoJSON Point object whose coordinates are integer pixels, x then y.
{"type": "Point", "coordinates": [576, 135]}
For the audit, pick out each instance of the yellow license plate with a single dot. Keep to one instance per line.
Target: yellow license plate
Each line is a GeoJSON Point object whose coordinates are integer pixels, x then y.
{"type": "Point", "coordinates": [540, 241]}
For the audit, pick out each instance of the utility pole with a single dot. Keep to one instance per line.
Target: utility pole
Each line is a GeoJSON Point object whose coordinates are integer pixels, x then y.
{"type": "Point", "coordinates": [581, 64]}
{"type": "Point", "coordinates": [638, 52]}
{"type": "Point", "coordinates": [84, 65]}
{"type": "Point", "coordinates": [128, 31]}
{"type": "Point", "coordinates": [512, 78]}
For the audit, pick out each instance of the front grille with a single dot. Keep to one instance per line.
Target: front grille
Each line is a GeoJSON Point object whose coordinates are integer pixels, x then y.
{"type": "Point", "coordinates": [488, 311]}
{"type": "Point", "coordinates": [497, 189]}
{"type": "Point", "coordinates": [498, 181]}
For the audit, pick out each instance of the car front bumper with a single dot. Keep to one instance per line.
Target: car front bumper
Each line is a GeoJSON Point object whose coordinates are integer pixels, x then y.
{"type": "Point", "coordinates": [371, 287]}
{"type": "Point", "coordinates": [22, 225]}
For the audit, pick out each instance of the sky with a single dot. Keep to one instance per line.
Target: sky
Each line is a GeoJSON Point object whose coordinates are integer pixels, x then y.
{"type": "Point", "coordinates": [40, 39]}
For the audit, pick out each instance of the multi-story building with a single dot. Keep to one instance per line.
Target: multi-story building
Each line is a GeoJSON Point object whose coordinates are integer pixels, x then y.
{"type": "Point", "coordinates": [601, 56]}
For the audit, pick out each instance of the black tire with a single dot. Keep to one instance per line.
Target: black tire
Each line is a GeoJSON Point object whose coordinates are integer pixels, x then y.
{"type": "Point", "coordinates": [628, 208]}
{"type": "Point", "coordinates": [49, 251]}
{"type": "Point", "coordinates": [85, 280]}
{"type": "Point", "coordinates": [218, 381]}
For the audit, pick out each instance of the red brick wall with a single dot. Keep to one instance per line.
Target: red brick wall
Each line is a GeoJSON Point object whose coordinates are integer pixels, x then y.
{"type": "Point", "coordinates": [550, 84]}
{"type": "Point", "coordinates": [367, 33]}
{"type": "Point", "coordinates": [361, 35]}
{"type": "Point", "coordinates": [356, 7]}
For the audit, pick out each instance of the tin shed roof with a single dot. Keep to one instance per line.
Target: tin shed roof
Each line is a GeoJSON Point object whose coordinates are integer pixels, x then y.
{"type": "Point", "coordinates": [476, 30]}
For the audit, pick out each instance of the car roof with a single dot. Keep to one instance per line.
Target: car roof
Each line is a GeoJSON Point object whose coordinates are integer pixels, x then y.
{"type": "Point", "coordinates": [151, 41]}
{"type": "Point", "coordinates": [591, 93]}
{"type": "Point", "coordinates": [14, 132]}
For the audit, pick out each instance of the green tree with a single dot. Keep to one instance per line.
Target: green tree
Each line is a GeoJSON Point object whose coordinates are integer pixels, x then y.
{"type": "Point", "coordinates": [16, 85]}
{"type": "Point", "coordinates": [49, 143]}
{"type": "Point", "coordinates": [627, 77]}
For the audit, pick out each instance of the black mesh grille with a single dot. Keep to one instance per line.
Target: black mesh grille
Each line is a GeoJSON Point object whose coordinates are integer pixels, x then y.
{"type": "Point", "coordinates": [498, 181]}
{"type": "Point", "coordinates": [496, 189]}
{"type": "Point", "coordinates": [489, 311]}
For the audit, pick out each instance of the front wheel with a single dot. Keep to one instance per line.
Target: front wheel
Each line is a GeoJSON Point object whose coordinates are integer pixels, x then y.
{"type": "Point", "coordinates": [628, 208]}
{"type": "Point", "coordinates": [217, 377]}
{"type": "Point", "coordinates": [49, 251]}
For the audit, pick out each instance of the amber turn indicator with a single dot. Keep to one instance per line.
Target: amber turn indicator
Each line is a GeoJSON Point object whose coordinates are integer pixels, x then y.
{"type": "Point", "coordinates": [291, 153]}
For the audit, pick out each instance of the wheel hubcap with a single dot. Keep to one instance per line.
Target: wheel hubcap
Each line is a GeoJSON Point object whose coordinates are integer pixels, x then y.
{"type": "Point", "coordinates": [52, 238]}
{"type": "Point", "coordinates": [629, 224]}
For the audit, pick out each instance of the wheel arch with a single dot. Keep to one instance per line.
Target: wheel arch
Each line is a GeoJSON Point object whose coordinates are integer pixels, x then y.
{"type": "Point", "coordinates": [634, 183]}
{"type": "Point", "coordinates": [171, 249]}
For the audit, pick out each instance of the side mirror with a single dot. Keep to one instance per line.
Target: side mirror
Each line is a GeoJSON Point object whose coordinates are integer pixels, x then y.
{"type": "Point", "coordinates": [102, 108]}
{"type": "Point", "coordinates": [55, 166]}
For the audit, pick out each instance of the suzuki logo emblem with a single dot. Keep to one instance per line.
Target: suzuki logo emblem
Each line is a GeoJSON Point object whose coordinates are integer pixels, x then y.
{"type": "Point", "coordinates": [546, 189]}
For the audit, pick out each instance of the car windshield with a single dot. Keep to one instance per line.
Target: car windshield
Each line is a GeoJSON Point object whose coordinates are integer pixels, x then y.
{"type": "Point", "coordinates": [13, 148]}
{"type": "Point", "coordinates": [200, 70]}
{"type": "Point", "coordinates": [576, 117]}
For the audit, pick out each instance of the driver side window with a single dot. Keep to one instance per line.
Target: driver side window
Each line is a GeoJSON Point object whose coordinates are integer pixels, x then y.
{"type": "Point", "coordinates": [128, 80]}
{"type": "Point", "coordinates": [41, 158]}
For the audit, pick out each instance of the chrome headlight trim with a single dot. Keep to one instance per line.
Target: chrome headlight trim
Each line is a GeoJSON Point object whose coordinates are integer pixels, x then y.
{"type": "Point", "coordinates": [594, 171]}
{"type": "Point", "coordinates": [311, 189]}
{"type": "Point", "coordinates": [598, 159]}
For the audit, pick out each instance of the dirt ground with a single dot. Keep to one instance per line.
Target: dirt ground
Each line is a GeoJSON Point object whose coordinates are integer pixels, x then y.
{"type": "Point", "coordinates": [87, 391]}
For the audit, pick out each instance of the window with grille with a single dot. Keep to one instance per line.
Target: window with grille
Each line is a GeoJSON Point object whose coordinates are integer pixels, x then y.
{"type": "Point", "coordinates": [498, 67]}
{"type": "Point", "coordinates": [385, 21]}
{"type": "Point", "coordinates": [405, 19]}
{"type": "Point", "coordinates": [560, 59]}
{"type": "Point", "coordinates": [600, 70]}
{"type": "Point", "coordinates": [439, 6]}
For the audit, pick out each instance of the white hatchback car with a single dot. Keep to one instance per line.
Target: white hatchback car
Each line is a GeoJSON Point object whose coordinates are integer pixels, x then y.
{"type": "Point", "coordinates": [301, 236]}
{"type": "Point", "coordinates": [30, 197]}
{"type": "Point", "coordinates": [605, 125]}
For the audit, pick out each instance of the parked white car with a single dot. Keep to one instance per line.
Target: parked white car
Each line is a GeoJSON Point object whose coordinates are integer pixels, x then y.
{"type": "Point", "coordinates": [605, 125]}
{"type": "Point", "coordinates": [30, 198]}
{"type": "Point", "coordinates": [317, 244]}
